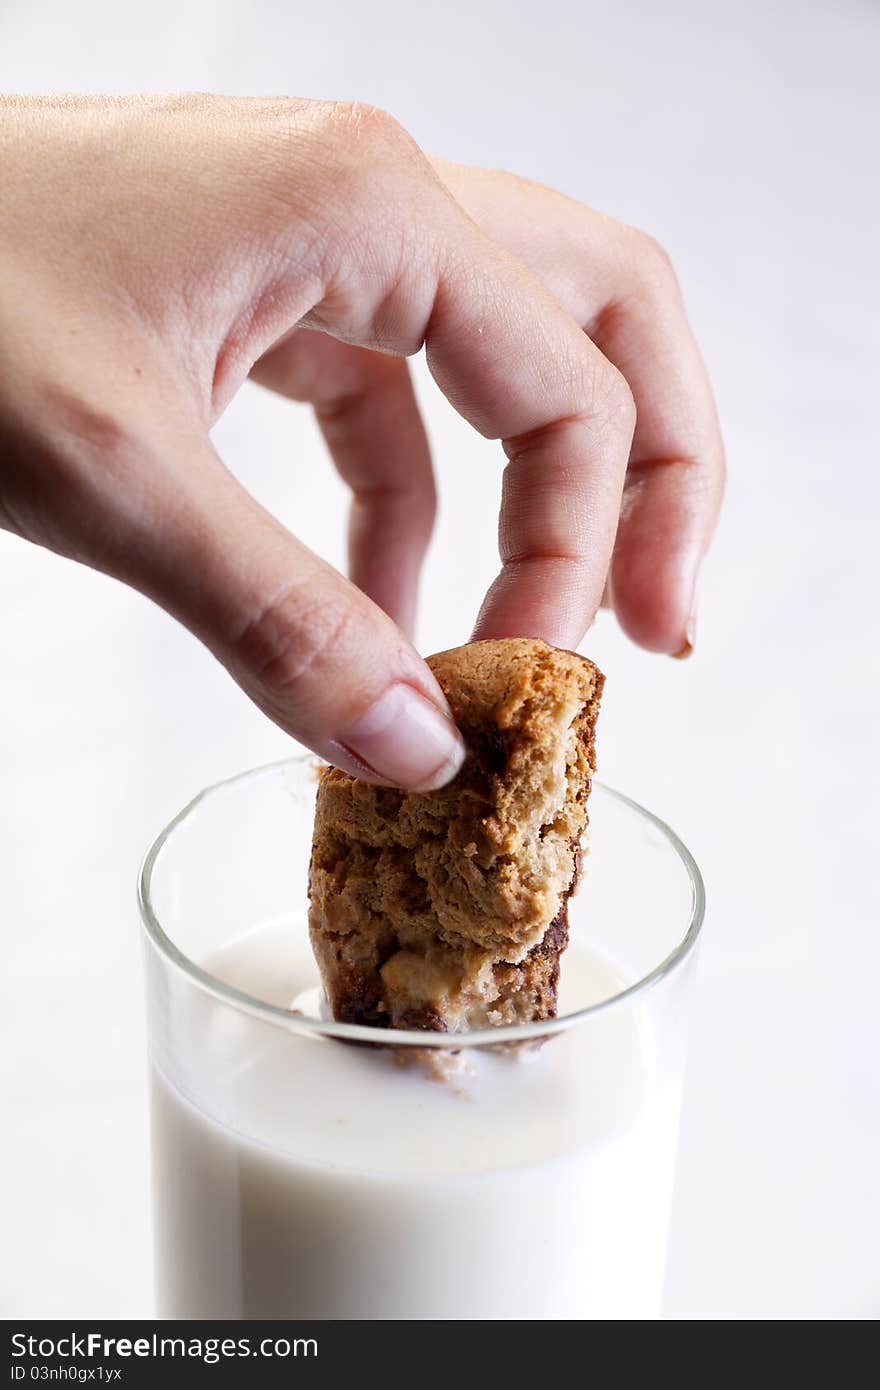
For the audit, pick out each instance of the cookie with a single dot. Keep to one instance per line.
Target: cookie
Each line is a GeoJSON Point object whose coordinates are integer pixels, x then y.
{"type": "Point", "coordinates": [447, 910]}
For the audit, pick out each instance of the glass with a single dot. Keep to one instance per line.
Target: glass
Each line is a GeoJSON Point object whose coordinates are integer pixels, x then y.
{"type": "Point", "coordinates": [428, 1175]}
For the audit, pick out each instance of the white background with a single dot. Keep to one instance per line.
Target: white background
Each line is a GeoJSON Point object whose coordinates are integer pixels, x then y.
{"type": "Point", "coordinates": [744, 137]}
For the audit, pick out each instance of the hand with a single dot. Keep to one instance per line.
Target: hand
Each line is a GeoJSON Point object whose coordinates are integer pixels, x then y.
{"type": "Point", "coordinates": [157, 251]}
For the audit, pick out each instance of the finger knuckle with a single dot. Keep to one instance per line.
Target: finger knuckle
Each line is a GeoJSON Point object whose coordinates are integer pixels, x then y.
{"type": "Point", "coordinates": [324, 152]}
{"type": "Point", "coordinates": [364, 137]}
{"type": "Point", "coordinates": [354, 201]}
{"type": "Point", "coordinates": [365, 122]}
{"type": "Point", "coordinates": [652, 264]}
{"type": "Point", "coordinates": [292, 642]}
{"type": "Point", "coordinates": [381, 205]}
{"type": "Point", "coordinates": [615, 398]}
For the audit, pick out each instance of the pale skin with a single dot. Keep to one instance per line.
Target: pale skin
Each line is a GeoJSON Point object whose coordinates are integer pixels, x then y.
{"type": "Point", "coordinates": [157, 252]}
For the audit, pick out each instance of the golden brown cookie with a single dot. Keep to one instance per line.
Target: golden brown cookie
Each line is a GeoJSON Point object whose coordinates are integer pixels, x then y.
{"type": "Point", "coordinates": [447, 909]}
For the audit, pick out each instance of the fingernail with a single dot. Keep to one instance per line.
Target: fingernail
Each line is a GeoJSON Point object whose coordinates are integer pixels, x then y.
{"type": "Point", "coordinates": [690, 636]}
{"type": "Point", "coordinates": [407, 740]}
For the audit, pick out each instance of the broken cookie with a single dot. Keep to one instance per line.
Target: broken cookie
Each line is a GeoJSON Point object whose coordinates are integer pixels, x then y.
{"type": "Point", "coordinates": [447, 910]}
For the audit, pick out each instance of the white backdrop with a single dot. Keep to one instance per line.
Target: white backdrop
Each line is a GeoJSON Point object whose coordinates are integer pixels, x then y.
{"type": "Point", "coordinates": [743, 137]}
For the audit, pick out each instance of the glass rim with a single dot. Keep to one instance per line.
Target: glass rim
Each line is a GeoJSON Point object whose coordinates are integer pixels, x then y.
{"type": "Point", "coordinates": [388, 1037]}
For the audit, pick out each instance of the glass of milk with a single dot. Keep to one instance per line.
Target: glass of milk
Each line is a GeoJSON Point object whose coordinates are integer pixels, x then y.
{"type": "Point", "coordinates": [308, 1169]}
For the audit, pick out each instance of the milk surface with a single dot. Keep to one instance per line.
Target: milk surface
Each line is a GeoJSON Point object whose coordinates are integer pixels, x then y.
{"type": "Point", "coordinates": [300, 1177]}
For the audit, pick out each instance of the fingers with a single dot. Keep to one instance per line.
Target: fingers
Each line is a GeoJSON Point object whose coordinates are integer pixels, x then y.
{"type": "Point", "coordinates": [676, 473]}
{"type": "Point", "coordinates": [620, 287]}
{"type": "Point", "coordinates": [513, 363]}
{"type": "Point", "coordinates": [366, 407]}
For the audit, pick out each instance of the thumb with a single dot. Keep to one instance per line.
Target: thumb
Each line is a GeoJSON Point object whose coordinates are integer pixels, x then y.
{"type": "Point", "coordinates": [322, 660]}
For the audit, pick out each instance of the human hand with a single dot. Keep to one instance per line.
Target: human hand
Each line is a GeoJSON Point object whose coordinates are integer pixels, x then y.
{"type": "Point", "coordinates": [157, 251]}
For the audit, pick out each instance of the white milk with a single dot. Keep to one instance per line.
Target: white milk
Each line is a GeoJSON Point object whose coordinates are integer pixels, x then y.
{"type": "Point", "coordinates": [536, 1185]}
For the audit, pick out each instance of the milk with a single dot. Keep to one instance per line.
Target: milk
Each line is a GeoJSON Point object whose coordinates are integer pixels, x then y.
{"type": "Point", "coordinates": [302, 1177]}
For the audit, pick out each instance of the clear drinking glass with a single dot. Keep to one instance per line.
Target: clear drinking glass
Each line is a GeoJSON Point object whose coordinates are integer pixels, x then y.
{"type": "Point", "coordinates": [297, 1175]}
